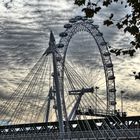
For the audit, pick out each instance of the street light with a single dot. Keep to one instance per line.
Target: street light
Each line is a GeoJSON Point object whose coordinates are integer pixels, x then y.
{"type": "Point", "coordinates": [122, 92]}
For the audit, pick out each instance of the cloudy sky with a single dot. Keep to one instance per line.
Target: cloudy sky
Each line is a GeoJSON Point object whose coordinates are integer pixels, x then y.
{"type": "Point", "coordinates": [24, 34]}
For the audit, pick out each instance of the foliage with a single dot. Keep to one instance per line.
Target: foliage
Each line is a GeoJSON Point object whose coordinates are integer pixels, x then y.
{"type": "Point", "coordinates": [137, 75]}
{"type": "Point", "coordinates": [80, 2]}
{"type": "Point", "coordinates": [129, 23]}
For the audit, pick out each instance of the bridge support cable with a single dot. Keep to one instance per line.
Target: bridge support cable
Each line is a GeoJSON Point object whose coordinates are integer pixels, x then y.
{"type": "Point", "coordinates": [48, 105]}
{"type": "Point", "coordinates": [32, 90]}
{"type": "Point", "coordinates": [16, 93]}
{"type": "Point", "coordinates": [39, 93]}
{"type": "Point", "coordinates": [79, 78]}
{"type": "Point", "coordinates": [31, 109]}
{"type": "Point", "coordinates": [70, 100]}
{"type": "Point", "coordinates": [28, 92]}
{"type": "Point", "coordinates": [81, 85]}
{"type": "Point", "coordinates": [112, 119]}
{"type": "Point", "coordinates": [105, 125]}
{"type": "Point", "coordinates": [115, 120]}
{"type": "Point", "coordinates": [74, 83]}
{"type": "Point", "coordinates": [20, 90]}
{"type": "Point", "coordinates": [72, 87]}
{"type": "Point", "coordinates": [73, 77]}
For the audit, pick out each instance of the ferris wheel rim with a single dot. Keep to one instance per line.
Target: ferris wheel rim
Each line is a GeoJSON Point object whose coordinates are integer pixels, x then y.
{"type": "Point", "coordinates": [76, 25]}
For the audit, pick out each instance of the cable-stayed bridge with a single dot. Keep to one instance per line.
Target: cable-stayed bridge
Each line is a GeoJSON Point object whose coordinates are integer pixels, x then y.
{"type": "Point", "coordinates": [56, 101]}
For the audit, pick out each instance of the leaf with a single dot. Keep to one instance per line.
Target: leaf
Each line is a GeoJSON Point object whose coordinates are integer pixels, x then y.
{"type": "Point", "coordinates": [127, 29]}
{"type": "Point", "coordinates": [125, 22]}
{"type": "Point", "coordinates": [108, 22]}
{"type": "Point", "coordinates": [125, 52]}
{"type": "Point", "coordinates": [89, 12]}
{"type": "Point", "coordinates": [106, 3]}
{"type": "Point", "coordinates": [133, 43]}
{"type": "Point", "coordinates": [137, 46]}
{"type": "Point", "coordinates": [137, 76]}
{"type": "Point", "coordinates": [118, 52]}
{"type": "Point", "coordinates": [138, 37]}
{"type": "Point", "coordinates": [94, 4]}
{"type": "Point", "coordinates": [113, 50]}
{"type": "Point", "coordinates": [128, 16]}
{"type": "Point", "coordinates": [134, 72]}
{"type": "Point", "coordinates": [119, 26]}
{"type": "Point", "coordinates": [80, 2]}
{"type": "Point", "coordinates": [131, 52]}
{"type": "Point", "coordinates": [111, 16]}
{"type": "Point", "coordinates": [97, 9]}
{"type": "Point", "coordinates": [133, 29]}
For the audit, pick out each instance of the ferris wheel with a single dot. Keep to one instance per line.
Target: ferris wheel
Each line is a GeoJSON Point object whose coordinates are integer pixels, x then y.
{"type": "Point", "coordinates": [77, 98]}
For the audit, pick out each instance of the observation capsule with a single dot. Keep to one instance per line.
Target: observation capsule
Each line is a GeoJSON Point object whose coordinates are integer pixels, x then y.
{"type": "Point", "coordinates": [67, 25]}
{"type": "Point", "coordinates": [112, 77]}
{"type": "Point", "coordinates": [72, 20]}
{"type": "Point", "coordinates": [58, 73]}
{"type": "Point", "coordinates": [52, 74]}
{"type": "Point", "coordinates": [52, 97]}
{"type": "Point", "coordinates": [113, 103]}
{"type": "Point", "coordinates": [84, 18]}
{"type": "Point", "coordinates": [78, 17]}
{"type": "Point", "coordinates": [103, 43]}
{"type": "Point", "coordinates": [63, 34]}
{"type": "Point", "coordinates": [55, 107]}
{"type": "Point", "coordinates": [60, 45]}
{"type": "Point", "coordinates": [106, 54]}
{"type": "Point", "coordinates": [96, 26]}
{"type": "Point", "coordinates": [89, 21]}
{"type": "Point", "coordinates": [99, 34]}
{"type": "Point", "coordinates": [109, 65]}
{"type": "Point", "coordinates": [58, 58]}
{"type": "Point", "coordinates": [112, 90]}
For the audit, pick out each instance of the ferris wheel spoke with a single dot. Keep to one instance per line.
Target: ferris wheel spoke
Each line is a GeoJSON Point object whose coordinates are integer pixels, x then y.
{"type": "Point", "coordinates": [105, 57]}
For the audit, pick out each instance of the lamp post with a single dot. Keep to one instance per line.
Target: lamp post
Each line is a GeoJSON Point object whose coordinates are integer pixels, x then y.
{"type": "Point", "coordinates": [122, 92]}
{"type": "Point", "coordinates": [96, 98]}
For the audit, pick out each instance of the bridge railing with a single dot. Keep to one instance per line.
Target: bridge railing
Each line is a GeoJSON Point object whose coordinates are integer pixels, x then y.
{"type": "Point", "coordinates": [94, 111]}
{"type": "Point", "coordinates": [102, 134]}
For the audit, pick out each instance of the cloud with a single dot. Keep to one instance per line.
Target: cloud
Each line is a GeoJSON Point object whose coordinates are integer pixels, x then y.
{"type": "Point", "coordinates": [132, 96]}
{"type": "Point", "coordinates": [24, 34]}
{"type": "Point", "coordinates": [3, 95]}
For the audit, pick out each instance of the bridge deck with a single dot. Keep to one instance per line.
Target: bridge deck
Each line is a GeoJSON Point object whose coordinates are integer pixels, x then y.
{"type": "Point", "coordinates": [91, 135]}
{"type": "Point", "coordinates": [50, 131]}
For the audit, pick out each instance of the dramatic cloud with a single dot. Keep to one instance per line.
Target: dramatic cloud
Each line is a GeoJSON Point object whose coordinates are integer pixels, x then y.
{"type": "Point", "coordinates": [24, 34]}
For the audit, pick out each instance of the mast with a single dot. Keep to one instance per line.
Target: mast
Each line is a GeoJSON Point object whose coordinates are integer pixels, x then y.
{"type": "Point", "coordinates": [52, 49]}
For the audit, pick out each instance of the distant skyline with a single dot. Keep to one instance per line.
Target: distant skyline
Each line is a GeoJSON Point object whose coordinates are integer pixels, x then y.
{"type": "Point", "coordinates": [24, 35]}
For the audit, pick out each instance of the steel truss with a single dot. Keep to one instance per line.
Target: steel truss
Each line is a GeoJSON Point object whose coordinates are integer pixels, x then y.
{"type": "Point", "coordinates": [40, 131]}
